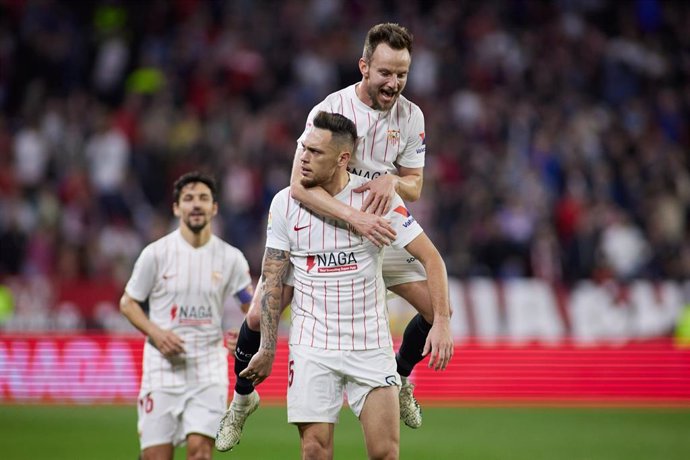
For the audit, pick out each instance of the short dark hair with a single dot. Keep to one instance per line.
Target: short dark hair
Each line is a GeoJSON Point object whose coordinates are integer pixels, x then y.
{"type": "Point", "coordinates": [341, 127]}
{"type": "Point", "coordinates": [393, 35]}
{"type": "Point", "coordinates": [191, 177]}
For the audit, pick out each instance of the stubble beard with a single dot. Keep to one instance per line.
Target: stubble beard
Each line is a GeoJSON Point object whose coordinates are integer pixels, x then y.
{"type": "Point", "coordinates": [196, 228]}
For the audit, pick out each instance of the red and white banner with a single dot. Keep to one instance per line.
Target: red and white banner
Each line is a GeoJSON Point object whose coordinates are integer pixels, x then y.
{"type": "Point", "coordinates": [107, 369]}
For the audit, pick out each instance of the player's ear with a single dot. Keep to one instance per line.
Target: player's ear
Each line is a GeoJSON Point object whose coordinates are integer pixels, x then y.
{"type": "Point", "coordinates": [344, 158]}
{"type": "Point", "coordinates": [215, 208]}
{"type": "Point", "coordinates": [176, 210]}
{"type": "Point", "coordinates": [364, 67]}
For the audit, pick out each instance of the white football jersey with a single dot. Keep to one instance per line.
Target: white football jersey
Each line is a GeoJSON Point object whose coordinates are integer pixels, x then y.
{"type": "Point", "coordinates": [385, 138]}
{"type": "Point", "coordinates": [339, 300]}
{"type": "Point", "coordinates": [186, 288]}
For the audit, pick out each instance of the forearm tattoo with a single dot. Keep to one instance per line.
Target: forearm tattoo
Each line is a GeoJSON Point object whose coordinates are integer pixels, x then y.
{"type": "Point", "coordinates": [275, 267]}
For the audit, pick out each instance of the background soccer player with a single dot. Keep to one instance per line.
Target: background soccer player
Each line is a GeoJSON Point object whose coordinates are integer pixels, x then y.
{"type": "Point", "coordinates": [186, 277]}
{"type": "Point", "coordinates": [340, 340]}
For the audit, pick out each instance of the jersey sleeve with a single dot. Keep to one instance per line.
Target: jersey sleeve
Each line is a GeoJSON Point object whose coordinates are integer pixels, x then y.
{"type": "Point", "coordinates": [143, 277]}
{"type": "Point", "coordinates": [414, 153]}
{"type": "Point", "coordinates": [406, 227]}
{"type": "Point", "coordinates": [277, 236]}
{"type": "Point", "coordinates": [240, 277]}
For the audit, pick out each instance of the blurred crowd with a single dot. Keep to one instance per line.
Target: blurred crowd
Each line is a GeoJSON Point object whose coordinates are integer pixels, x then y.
{"type": "Point", "coordinates": [558, 132]}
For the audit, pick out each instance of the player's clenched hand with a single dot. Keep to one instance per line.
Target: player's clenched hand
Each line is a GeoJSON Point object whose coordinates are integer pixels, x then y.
{"type": "Point", "coordinates": [381, 193]}
{"type": "Point", "coordinates": [439, 344]}
{"type": "Point", "coordinates": [231, 339]}
{"type": "Point", "coordinates": [167, 342]}
{"type": "Point", "coordinates": [259, 367]}
{"type": "Point", "coordinates": [375, 228]}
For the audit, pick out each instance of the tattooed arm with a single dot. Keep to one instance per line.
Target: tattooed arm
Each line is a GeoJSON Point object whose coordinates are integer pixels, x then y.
{"type": "Point", "coordinates": [275, 266]}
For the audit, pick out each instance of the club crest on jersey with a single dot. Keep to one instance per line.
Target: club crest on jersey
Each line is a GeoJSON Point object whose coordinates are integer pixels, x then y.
{"type": "Point", "coordinates": [192, 314]}
{"type": "Point", "coordinates": [333, 262]}
{"type": "Point", "coordinates": [402, 210]}
{"type": "Point", "coordinates": [393, 136]}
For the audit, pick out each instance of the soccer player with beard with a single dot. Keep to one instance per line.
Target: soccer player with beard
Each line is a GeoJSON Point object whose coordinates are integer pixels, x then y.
{"type": "Point", "coordinates": [390, 153]}
{"type": "Point", "coordinates": [186, 277]}
{"type": "Point", "coordinates": [340, 340]}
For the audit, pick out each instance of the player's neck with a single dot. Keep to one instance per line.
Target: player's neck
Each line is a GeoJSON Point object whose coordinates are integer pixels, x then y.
{"type": "Point", "coordinates": [362, 95]}
{"type": "Point", "coordinates": [337, 183]}
{"type": "Point", "coordinates": [196, 240]}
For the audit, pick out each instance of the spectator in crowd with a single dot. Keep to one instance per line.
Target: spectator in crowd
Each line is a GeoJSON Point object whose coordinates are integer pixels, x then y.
{"type": "Point", "coordinates": [589, 100]}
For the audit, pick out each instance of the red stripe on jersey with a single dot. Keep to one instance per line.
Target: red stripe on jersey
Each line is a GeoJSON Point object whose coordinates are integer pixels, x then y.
{"type": "Point", "coordinates": [189, 271]}
{"type": "Point", "coordinates": [385, 152]}
{"type": "Point", "coordinates": [287, 208]}
{"type": "Point", "coordinates": [186, 373]}
{"type": "Point", "coordinates": [312, 313]}
{"type": "Point", "coordinates": [352, 297]}
{"type": "Point", "coordinates": [354, 114]}
{"type": "Point", "coordinates": [325, 310]}
{"type": "Point", "coordinates": [373, 140]}
{"type": "Point", "coordinates": [335, 234]}
{"type": "Point", "coordinates": [349, 232]}
{"type": "Point", "coordinates": [376, 309]}
{"type": "Point", "coordinates": [201, 264]}
{"type": "Point", "coordinates": [337, 286]}
{"type": "Point", "coordinates": [301, 304]}
{"type": "Point", "coordinates": [310, 216]}
{"type": "Point", "coordinates": [294, 228]}
{"type": "Point", "coordinates": [196, 360]}
{"type": "Point", "coordinates": [364, 309]}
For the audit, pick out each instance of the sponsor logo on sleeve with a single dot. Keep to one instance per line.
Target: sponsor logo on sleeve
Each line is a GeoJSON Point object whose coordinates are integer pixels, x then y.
{"type": "Point", "coordinates": [422, 148]}
{"type": "Point", "coordinates": [402, 210]}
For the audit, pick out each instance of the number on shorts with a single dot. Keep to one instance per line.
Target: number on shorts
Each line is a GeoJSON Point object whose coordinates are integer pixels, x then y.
{"type": "Point", "coordinates": [291, 372]}
{"type": "Point", "coordinates": [147, 402]}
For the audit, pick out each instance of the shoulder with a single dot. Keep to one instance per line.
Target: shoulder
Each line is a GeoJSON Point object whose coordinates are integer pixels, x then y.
{"type": "Point", "coordinates": [227, 248]}
{"type": "Point", "coordinates": [282, 197]}
{"type": "Point", "coordinates": [281, 204]}
{"type": "Point", "coordinates": [409, 108]}
{"type": "Point", "coordinates": [161, 242]}
{"type": "Point", "coordinates": [356, 180]}
{"type": "Point", "coordinates": [336, 98]}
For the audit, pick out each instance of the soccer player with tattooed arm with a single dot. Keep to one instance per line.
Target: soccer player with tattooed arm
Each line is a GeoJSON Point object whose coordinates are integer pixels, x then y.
{"type": "Point", "coordinates": [339, 342]}
{"type": "Point", "coordinates": [390, 156]}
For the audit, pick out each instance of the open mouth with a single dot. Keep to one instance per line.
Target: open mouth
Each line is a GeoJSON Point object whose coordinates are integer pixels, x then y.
{"type": "Point", "coordinates": [388, 95]}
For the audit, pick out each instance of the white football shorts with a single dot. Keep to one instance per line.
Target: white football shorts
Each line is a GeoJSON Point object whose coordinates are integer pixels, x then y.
{"type": "Point", "coordinates": [169, 416]}
{"type": "Point", "coordinates": [318, 379]}
{"type": "Point", "coordinates": [399, 267]}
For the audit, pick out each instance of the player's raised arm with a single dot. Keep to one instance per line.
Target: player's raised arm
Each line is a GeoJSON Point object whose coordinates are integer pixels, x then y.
{"type": "Point", "coordinates": [275, 266]}
{"type": "Point", "coordinates": [373, 227]}
{"type": "Point", "coordinates": [439, 342]}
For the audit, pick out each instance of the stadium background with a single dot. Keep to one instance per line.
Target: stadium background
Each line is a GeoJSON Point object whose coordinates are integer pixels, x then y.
{"type": "Point", "coordinates": [557, 184]}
